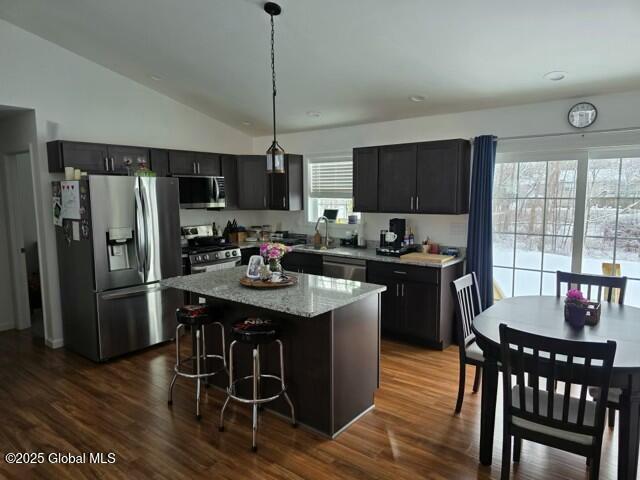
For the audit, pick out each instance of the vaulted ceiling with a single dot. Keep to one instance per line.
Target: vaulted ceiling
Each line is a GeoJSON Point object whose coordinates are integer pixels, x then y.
{"type": "Point", "coordinates": [351, 61]}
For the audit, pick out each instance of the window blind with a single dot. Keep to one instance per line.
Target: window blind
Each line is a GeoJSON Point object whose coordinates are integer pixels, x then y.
{"type": "Point", "coordinates": [331, 179]}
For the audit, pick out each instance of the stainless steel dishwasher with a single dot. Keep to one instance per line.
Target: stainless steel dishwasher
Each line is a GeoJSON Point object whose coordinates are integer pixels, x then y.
{"type": "Point", "coordinates": [342, 267]}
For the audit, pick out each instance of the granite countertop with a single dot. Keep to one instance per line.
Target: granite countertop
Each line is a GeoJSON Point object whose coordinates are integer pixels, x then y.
{"type": "Point", "coordinates": [368, 253]}
{"type": "Point", "coordinates": [313, 294]}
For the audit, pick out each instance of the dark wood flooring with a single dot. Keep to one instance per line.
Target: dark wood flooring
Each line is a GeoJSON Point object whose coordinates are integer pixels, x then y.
{"type": "Point", "coordinates": [55, 401]}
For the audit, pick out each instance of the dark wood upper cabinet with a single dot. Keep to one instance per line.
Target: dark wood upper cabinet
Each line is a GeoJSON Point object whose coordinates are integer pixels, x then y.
{"type": "Point", "coordinates": [230, 174]}
{"type": "Point", "coordinates": [397, 184]}
{"type": "Point", "coordinates": [123, 159]}
{"type": "Point", "coordinates": [442, 177]}
{"type": "Point", "coordinates": [365, 179]}
{"type": "Point", "coordinates": [286, 189]}
{"type": "Point", "coordinates": [159, 161]}
{"type": "Point", "coordinates": [182, 162]}
{"type": "Point", "coordinates": [88, 157]}
{"type": "Point", "coordinates": [208, 164]}
{"type": "Point", "coordinates": [252, 182]}
{"type": "Point", "coordinates": [427, 177]}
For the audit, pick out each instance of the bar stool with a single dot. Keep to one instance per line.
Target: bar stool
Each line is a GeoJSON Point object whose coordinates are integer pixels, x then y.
{"type": "Point", "coordinates": [197, 317]}
{"type": "Point", "coordinates": [256, 332]}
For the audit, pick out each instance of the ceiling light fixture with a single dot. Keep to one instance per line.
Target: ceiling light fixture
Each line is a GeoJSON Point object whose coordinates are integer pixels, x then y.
{"type": "Point", "coordinates": [555, 76]}
{"type": "Point", "coordinates": [246, 124]}
{"type": "Point", "coordinates": [313, 114]}
{"type": "Point", "coordinates": [157, 78]}
{"type": "Point", "coordinates": [275, 153]}
{"type": "Point", "coordinates": [417, 98]}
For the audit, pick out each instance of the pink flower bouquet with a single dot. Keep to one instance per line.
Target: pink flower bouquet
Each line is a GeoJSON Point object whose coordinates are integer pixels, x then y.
{"type": "Point", "coordinates": [575, 308]}
{"type": "Point", "coordinates": [575, 297]}
{"type": "Point", "coordinates": [273, 251]}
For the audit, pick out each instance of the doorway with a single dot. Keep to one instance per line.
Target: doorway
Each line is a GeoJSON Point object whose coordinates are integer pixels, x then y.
{"type": "Point", "coordinates": [20, 285]}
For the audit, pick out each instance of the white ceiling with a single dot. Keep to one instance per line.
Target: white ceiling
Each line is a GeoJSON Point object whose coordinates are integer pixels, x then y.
{"type": "Point", "coordinates": [354, 61]}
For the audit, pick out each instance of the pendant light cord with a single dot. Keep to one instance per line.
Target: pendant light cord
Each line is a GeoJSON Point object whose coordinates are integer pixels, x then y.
{"type": "Point", "coordinates": [273, 77]}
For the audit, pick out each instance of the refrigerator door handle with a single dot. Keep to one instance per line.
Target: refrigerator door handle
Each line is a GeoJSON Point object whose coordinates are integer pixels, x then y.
{"type": "Point", "coordinates": [145, 219]}
{"type": "Point", "coordinates": [141, 234]}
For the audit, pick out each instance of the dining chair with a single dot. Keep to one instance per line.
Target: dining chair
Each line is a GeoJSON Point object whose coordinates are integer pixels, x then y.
{"type": "Point", "coordinates": [602, 282]}
{"type": "Point", "coordinates": [578, 280]}
{"type": "Point", "coordinates": [467, 302]}
{"type": "Point", "coordinates": [542, 415]}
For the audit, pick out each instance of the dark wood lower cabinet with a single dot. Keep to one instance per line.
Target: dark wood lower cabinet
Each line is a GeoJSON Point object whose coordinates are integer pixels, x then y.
{"type": "Point", "coordinates": [417, 305]}
{"type": "Point", "coordinates": [310, 263]}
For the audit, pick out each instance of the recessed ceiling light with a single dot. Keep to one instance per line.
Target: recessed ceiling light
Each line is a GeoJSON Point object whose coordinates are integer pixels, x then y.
{"type": "Point", "coordinates": [313, 114]}
{"type": "Point", "coordinates": [417, 98]}
{"type": "Point", "coordinates": [246, 124]}
{"type": "Point", "coordinates": [157, 78]}
{"type": "Point", "coordinates": [555, 76]}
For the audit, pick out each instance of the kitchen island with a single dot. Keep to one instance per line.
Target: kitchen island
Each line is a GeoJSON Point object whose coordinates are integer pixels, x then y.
{"type": "Point", "coordinates": [331, 336]}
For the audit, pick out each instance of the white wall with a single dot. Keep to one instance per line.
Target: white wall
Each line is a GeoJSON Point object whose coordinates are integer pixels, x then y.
{"type": "Point", "coordinates": [75, 99]}
{"type": "Point", "coordinates": [614, 112]}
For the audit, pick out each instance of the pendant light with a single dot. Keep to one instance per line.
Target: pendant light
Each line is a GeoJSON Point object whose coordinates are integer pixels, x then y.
{"type": "Point", "coordinates": [275, 153]}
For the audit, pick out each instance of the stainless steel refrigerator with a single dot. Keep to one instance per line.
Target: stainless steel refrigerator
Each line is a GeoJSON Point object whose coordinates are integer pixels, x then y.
{"type": "Point", "coordinates": [120, 239]}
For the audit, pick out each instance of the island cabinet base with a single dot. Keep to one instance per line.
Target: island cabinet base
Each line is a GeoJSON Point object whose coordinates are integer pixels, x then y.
{"type": "Point", "coordinates": [331, 362]}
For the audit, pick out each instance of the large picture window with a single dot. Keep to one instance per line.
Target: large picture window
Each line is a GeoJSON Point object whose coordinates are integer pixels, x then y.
{"type": "Point", "coordinates": [566, 212]}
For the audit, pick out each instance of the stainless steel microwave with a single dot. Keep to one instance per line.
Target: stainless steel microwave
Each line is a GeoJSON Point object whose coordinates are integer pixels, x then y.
{"type": "Point", "coordinates": [202, 192]}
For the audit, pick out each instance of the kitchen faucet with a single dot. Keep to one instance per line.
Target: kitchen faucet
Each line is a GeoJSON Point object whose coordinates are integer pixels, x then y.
{"type": "Point", "coordinates": [325, 244]}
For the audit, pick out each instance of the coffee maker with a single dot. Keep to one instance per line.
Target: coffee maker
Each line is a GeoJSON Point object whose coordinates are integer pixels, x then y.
{"type": "Point", "coordinates": [395, 247]}
{"type": "Point", "coordinates": [399, 227]}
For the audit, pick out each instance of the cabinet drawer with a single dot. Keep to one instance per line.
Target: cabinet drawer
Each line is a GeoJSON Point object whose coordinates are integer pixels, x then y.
{"type": "Point", "coordinates": [403, 272]}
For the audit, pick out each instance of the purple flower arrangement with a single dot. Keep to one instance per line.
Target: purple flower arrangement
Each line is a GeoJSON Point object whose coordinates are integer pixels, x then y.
{"type": "Point", "coordinates": [575, 297]}
{"type": "Point", "coordinates": [273, 251]}
{"type": "Point", "coordinates": [575, 308]}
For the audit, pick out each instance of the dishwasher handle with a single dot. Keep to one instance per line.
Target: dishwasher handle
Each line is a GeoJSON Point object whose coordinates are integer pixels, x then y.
{"type": "Point", "coordinates": [352, 262]}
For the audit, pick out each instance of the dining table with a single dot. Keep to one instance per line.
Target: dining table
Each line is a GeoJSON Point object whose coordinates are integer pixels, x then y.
{"type": "Point", "coordinates": [544, 315]}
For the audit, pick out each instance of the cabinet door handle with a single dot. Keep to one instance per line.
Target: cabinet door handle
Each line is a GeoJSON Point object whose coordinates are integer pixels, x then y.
{"type": "Point", "coordinates": [264, 201]}
{"type": "Point", "coordinates": [403, 289]}
{"type": "Point", "coordinates": [113, 168]}
{"type": "Point", "coordinates": [193, 168]}
{"type": "Point", "coordinates": [106, 164]}
{"type": "Point", "coordinates": [397, 289]}
{"type": "Point", "coordinates": [198, 168]}
{"type": "Point", "coordinates": [399, 272]}
{"type": "Point", "coordinates": [411, 202]}
{"type": "Point", "coordinates": [417, 202]}
{"type": "Point", "coordinates": [284, 202]}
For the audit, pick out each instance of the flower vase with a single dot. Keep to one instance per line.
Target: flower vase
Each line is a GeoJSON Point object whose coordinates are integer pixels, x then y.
{"type": "Point", "coordinates": [575, 315]}
{"type": "Point", "coordinates": [275, 265]}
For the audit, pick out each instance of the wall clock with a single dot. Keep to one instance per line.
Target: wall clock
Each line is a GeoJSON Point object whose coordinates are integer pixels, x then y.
{"type": "Point", "coordinates": [582, 115]}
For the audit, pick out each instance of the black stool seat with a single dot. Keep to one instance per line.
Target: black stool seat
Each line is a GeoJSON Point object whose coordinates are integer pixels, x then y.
{"type": "Point", "coordinates": [194, 315]}
{"type": "Point", "coordinates": [256, 331]}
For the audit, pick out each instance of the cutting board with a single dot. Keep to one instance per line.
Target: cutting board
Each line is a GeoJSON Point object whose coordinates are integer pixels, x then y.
{"type": "Point", "coordinates": [426, 257]}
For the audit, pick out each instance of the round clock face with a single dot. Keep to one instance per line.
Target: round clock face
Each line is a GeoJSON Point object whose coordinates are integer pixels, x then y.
{"type": "Point", "coordinates": [582, 115]}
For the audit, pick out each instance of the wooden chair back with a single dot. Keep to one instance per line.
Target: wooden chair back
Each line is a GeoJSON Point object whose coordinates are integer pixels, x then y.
{"type": "Point", "coordinates": [580, 364]}
{"type": "Point", "coordinates": [466, 297]}
{"type": "Point", "coordinates": [577, 280]}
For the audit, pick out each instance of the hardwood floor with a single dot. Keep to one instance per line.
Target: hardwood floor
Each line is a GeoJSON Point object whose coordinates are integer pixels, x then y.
{"type": "Point", "coordinates": [55, 401]}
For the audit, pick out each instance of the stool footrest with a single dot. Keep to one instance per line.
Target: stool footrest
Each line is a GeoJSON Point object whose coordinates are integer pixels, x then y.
{"type": "Point", "coordinates": [178, 371]}
{"type": "Point", "coordinates": [231, 390]}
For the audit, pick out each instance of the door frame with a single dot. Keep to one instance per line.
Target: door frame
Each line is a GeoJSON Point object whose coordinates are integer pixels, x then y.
{"type": "Point", "coordinates": [18, 272]}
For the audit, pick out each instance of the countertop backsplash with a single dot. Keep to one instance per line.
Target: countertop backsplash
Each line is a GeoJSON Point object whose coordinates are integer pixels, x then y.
{"type": "Point", "coordinates": [450, 230]}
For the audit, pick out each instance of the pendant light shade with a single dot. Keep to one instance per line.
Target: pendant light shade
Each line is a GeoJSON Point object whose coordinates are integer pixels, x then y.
{"type": "Point", "coordinates": [275, 158]}
{"type": "Point", "coordinates": [275, 153]}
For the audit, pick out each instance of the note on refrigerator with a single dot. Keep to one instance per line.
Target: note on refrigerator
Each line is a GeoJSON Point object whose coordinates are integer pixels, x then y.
{"type": "Point", "coordinates": [70, 199]}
